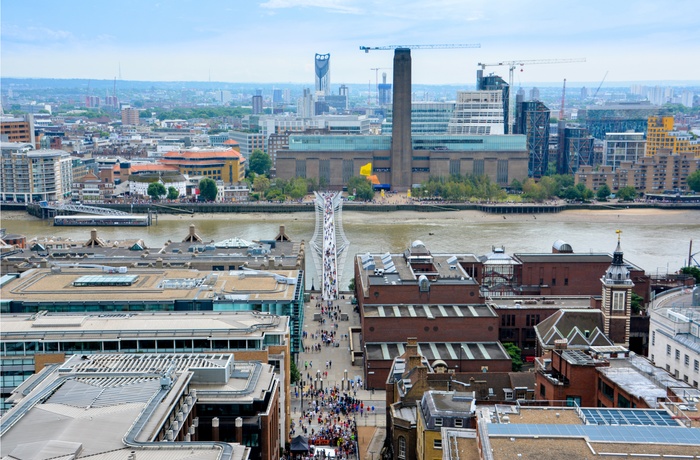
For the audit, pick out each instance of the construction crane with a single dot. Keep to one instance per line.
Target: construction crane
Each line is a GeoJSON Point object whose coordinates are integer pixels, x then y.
{"type": "Point", "coordinates": [512, 65]}
{"type": "Point", "coordinates": [601, 83]}
{"type": "Point", "coordinates": [367, 49]}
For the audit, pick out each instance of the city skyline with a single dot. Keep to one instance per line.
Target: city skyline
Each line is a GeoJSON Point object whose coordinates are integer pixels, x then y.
{"type": "Point", "coordinates": [182, 40]}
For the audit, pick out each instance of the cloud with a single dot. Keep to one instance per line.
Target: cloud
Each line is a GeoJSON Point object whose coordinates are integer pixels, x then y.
{"type": "Point", "coordinates": [336, 6]}
{"type": "Point", "coordinates": [31, 34]}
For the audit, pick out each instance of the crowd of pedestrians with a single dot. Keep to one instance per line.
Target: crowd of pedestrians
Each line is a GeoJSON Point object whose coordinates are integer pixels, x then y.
{"type": "Point", "coordinates": [330, 264]}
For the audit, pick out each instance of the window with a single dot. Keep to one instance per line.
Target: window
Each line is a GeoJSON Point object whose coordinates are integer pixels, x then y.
{"type": "Point", "coordinates": [696, 365]}
{"type": "Point", "coordinates": [566, 281]}
{"type": "Point", "coordinates": [437, 443]}
{"type": "Point", "coordinates": [618, 300]}
{"type": "Point", "coordinates": [622, 401]}
{"type": "Point", "coordinates": [607, 390]}
{"type": "Point", "coordinates": [668, 350]}
{"type": "Point", "coordinates": [573, 401]}
{"type": "Point", "coordinates": [678, 355]}
{"type": "Point", "coordinates": [459, 423]}
{"type": "Point", "coordinates": [554, 281]}
{"type": "Point", "coordinates": [532, 320]}
{"type": "Point", "coordinates": [543, 391]}
{"type": "Point", "coordinates": [402, 447]}
{"type": "Point", "coordinates": [686, 360]}
{"type": "Point", "coordinates": [508, 320]}
{"type": "Point", "coordinates": [653, 338]}
{"type": "Point", "coordinates": [438, 422]}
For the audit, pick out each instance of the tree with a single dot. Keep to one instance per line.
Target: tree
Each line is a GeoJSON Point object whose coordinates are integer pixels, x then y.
{"type": "Point", "coordinates": [516, 357]}
{"type": "Point", "coordinates": [156, 190]}
{"type": "Point", "coordinates": [208, 189]}
{"type": "Point", "coordinates": [259, 162]}
{"type": "Point", "coordinates": [694, 181]}
{"type": "Point", "coordinates": [261, 184]}
{"type": "Point", "coordinates": [173, 193]}
{"type": "Point", "coordinates": [637, 303]}
{"type": "Point", "coordinates": [294, 374]}
{"type": "Point", "coordinates": [516, 185]}
{"type": "Point", "coordinates": [586, 193]}
{"type": "Point", "coordinates": [362, 187]}
{"type": "Point", "coordinates": [351, 285]}
{"type": "Point", "coordinates": [571, 193]}
{"type": "Point", "coordinates": [692, 271]}
{"type": "Point", "coordinates": [627, 193]}
{"type": "Point", "coordinates": [603, 192]}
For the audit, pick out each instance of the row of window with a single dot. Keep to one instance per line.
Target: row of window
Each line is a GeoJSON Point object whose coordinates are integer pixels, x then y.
{"type": "Point", "coordinates": [145, 346]}
{"type": "Point", "coordinates": [530, 320]}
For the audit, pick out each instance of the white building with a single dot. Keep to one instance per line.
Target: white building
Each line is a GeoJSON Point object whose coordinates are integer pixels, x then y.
{"type": "Point", "coordinates": [619, 147]}
{"type": "Point", "coordinates": [34, 175]}
{"type": "Point", "coordinates": [478, 112]}
{"type": "Point", "coordinates": [674, 328]}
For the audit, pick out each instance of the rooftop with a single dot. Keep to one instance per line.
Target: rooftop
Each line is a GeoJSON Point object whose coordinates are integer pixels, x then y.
{"type": "Point", "coordinates": [428, 311]}
{"type": "Point", "coordinates": [564, 432]}
{"type": "Point", "coordinates": [101, 405]}
{"type": "Point", "coordinates": [438, 350]}
{"type": "Point", "coordinates": [52, 326]}
{"type": "Point", "coordinates": [166, 284]}
{"type": "Point", "coordinates": [638, 377]}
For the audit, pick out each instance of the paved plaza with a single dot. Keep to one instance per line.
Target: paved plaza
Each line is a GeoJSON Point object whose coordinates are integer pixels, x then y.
{"type": "Point", "coordinates": [328, 406]}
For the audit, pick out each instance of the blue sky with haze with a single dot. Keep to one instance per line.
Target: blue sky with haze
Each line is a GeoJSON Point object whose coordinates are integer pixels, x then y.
{"type": "Point", "coordinates": [275, 40]}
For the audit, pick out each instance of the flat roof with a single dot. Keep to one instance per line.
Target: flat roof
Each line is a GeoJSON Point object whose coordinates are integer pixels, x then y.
{"type": "Point", "coordinates": [447, 268]}
{"type": "Point", "coordinates": [640, 378]}
{"type": "Point", "coordinates": [541, 302]}
{"type": "Point", "coordinates": [428, 311]}
{"type": "Point", "coordinates": [560, 432]}
{"type": "Point", "coordinates": [166, 284]}
{"type": "Point", "coordinates": [86, 405]}
{"type": "Point", "coordinates": [438, 350]}
{"type": "Point", "coordinates": [448, 403]}
{"type": "Point", "coordinates": [55, 326]}
{"type": "Point", "coordinates": [547, 257]}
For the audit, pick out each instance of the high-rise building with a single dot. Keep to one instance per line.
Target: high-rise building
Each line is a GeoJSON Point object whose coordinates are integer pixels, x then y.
{"type": "Point", "coordinates": [532, 119]}
{"type": "Point", "coordinates": [478, 112]}
{"type": "Point", "coordinates": [384, 89]}
{"type": "Point", "coordinates": [619, 147]}
{"type": "Point", "coordinates": [662, 135]}
{"type": "Point", "coordinates": [35, 175]}
{"type": "Point", "coordinates": [277, 97]}
{"type": "Point", "coordinates": [496, 83]}
{"type": "Point", "coordinates": [257, 104]}
{"type": "Point", "coordinates": [534, 94]}
{"type": "Point", "coordinates": [18, 129]}
{"type": "Point", "coordinates": [575, 148]}
{"type": "Point", "coordinates": [322, 69]}
{"type": "Point", "coordinates": [130, 116]}
{"type": "Point", "coordinates": [305, 104]}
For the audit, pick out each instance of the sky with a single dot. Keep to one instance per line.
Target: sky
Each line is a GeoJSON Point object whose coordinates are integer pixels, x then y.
{"type": "Point", "coordinates": [274, 41]}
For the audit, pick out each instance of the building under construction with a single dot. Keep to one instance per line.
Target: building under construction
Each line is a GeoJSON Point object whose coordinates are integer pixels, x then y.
{"type": "Point", "coordinates": [532, 119]}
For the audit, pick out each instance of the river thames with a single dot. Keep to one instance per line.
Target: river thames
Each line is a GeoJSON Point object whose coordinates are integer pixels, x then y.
{"type": "Point", "coordinates": [656, 240]}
